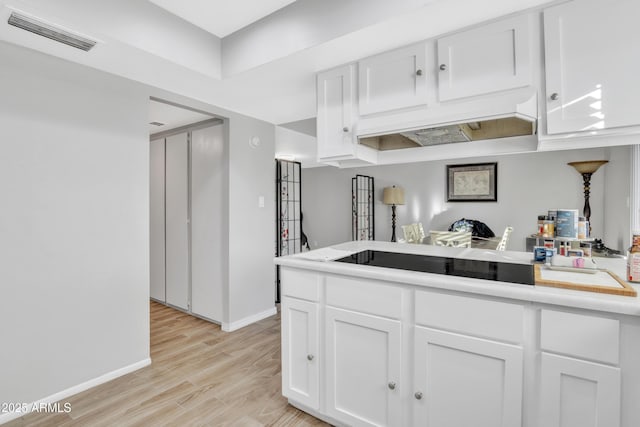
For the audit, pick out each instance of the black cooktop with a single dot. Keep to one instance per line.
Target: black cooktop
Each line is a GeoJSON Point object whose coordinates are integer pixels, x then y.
{"type": "Point", "coordinates": [487, 270]}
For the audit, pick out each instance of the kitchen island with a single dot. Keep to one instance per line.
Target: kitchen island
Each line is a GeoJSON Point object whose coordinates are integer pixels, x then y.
{"type": "Point", "coordinates": [372, 345]}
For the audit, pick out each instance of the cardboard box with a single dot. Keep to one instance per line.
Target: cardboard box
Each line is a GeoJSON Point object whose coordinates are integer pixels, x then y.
{"type": "Point", "coordinates": [567, 223]}
{"type": "Point", "coordinates": [633, 267]}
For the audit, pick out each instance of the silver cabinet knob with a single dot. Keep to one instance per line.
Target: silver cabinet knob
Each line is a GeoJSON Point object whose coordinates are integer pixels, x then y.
{"type": "Point", "coordinates": [392, 385]}
{"type": "Point", "coordinates": [554, 96]}
{"type": "Point", "coordinates": [443, 67]}
{"type": "Point", "coordinates": [309, 357]}
{"type": "Point", "coordinates": [345, 129]}
{"type": "Point", "coordinates": [418, 395]}
{"type": "Point", "coordinates": [419, 73]}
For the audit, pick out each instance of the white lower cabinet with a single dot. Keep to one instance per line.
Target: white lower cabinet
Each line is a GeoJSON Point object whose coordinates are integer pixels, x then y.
{"type": "Point", "coordinates": [361, 352]}
{"type": "Point", "coordinates": [465, 381]}
{"type": "Point", "coordinates": [300, 358]}
{"type": "Point", "coordinates": [363, 363]}
{"type": "Point", "coordinates": [578, 393]}
{"type": "Point", "coordinates": [580, 376]}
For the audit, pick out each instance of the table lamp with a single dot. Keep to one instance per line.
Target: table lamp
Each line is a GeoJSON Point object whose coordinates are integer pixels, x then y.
{"type": "Point", "coordinates": [393, 196]}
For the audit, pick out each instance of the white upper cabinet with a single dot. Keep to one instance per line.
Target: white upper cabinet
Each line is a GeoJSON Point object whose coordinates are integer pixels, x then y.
{"type": "Point", "coordinates": [592, 65]}
{"type": "Point", "coordinates": [486, 59]}
{"type": "Point", "coordinates": [335, 96]}
{"type": "Point", "coordinates": [393, 80]}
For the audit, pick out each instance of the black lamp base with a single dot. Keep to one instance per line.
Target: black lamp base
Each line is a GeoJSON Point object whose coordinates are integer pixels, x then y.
{"type": "Point", "coordinates": [393, 223]}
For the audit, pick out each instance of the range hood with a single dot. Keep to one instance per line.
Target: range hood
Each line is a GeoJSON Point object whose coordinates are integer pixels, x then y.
{"type": "Point", "coordinates": [449, 125]}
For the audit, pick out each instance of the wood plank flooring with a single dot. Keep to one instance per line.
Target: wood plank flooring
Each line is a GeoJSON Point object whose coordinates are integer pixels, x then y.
{"type": "Point", "coordinates": [199, 376]}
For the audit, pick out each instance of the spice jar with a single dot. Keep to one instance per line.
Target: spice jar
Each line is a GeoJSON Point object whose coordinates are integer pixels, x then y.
{"type": "Point", "coordinates": [541, 219]}
{"type": "Point", "coordinates": [549, 228]}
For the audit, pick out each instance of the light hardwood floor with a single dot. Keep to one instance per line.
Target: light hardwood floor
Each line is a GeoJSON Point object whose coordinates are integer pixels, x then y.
{"type": "Point", "coordinates": [199, 376]}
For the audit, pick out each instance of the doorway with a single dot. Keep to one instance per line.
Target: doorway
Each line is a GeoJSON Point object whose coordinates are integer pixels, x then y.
{"type": "Point", "coordinates": [187, 202]}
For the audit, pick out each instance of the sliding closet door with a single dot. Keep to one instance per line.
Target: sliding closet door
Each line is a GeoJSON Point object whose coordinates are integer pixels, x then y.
{"type": "Point", "coordinates": [177, 226]}
{"type": "Point", "coordinates": [208, 207]}
{"type": "Point", "coordinates": [156, 220]}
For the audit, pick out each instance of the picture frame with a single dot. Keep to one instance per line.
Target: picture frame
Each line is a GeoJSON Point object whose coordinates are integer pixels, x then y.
{"type": "Point", "coordinates": [474, 182]}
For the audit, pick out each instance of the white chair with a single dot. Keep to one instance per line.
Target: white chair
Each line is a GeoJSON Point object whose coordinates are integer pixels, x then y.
{"type": "Point", "coordinates": [455, 239]}
{"type": "Point", "coordinates": [413, 233]}
{"type": "Point", "coordinates": [502, 246]}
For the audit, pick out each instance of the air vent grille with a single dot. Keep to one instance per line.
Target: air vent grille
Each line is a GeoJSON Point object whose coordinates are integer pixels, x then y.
{"type": "Point", "coordinates": [50, 32]}
{"type": "Point", "coordinates": [156, 124]}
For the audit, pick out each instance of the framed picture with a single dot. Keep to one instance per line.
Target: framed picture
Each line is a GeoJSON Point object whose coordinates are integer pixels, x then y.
{"type": "Point", "coordinates": [472, 182]}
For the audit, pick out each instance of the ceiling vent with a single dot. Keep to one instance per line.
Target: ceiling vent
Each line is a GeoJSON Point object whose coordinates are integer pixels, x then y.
{"type": "Point", "coordinates": [45, 30]}
{"type": "Point", "coordinates": [156, 124]}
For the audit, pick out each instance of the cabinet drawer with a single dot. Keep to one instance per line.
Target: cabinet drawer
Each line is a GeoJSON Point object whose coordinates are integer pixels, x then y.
{"type": "Point", "coordinates": [300, 284]}
{"type": "Point", "coordinates": [364, 296]}
{"type": "Point", "coordinates": [583, 336]}
{"type": "Point", "coordinates": [470, 315]}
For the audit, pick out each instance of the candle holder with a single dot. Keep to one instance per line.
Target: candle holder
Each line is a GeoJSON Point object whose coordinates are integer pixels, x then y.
{"type": "Point", "coordinates": [586, 169]}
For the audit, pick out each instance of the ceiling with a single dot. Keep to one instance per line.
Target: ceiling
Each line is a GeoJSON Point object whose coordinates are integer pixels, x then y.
{"type": "Point", "coordinates": [222, 17]}
{"type": "Point", "coordinates": [255, 57]}
{"type": "Point", "coordinates": [172, 116]}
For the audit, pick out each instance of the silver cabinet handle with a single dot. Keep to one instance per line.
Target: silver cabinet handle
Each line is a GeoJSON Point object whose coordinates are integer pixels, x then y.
{"type": "Point", "coordinates": [392, 385]}
{"type": "Point", "coordinates": [419, 73]}
{"type": "Point", "coordinates": [418, 395]}
{"type": "Point", "coordinates": [309, 357]}
{"type": "Point", "coordinates": [345, 129]}
{"type": "Point", "coordinates": [554, 96]}
{"type": "Point", "coordinates": [443, 67]}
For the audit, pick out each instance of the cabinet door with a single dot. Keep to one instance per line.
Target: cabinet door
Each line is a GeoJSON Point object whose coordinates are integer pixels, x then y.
{"type": "Point", "coordinates": [207, 221]}
{"type": "Point", "coordinates": [300, 361]}
{"type": "Point", "coordinates": [465, 381]}
{"type": "Point", "coordinates": [335, 117]}
{"type": "Point", "coordinates": [592, 65]}
{"type": "Point", "coordinates": [363, 369]}
{"type": "Point", "coordinates": [576, 393]}
{"type": "Point", "coordinates": [487, 59]}
{"type": "Point", "coordinates": [156, 220]}
{"type": "Point", "coordinates": [393, 80]}
{"type": "Point", "coordinates": [177, 216]}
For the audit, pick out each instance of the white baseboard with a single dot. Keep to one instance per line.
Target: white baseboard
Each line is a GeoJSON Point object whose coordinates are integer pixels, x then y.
{"type": "Point", "coordinates": [233, 326]}
{"type": "Point", "coordinates": [6, 417]}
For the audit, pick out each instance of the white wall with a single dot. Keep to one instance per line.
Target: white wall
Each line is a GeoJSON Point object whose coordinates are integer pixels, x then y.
{"type": "Point", "coordinates": [528, 185]}
{"type": "Point", "coordinates": [616, 198]}
{"type": "Point", "coordinates": [251, 227]}
{"type": "Point", "coordinates": [74, 225]}
{"type": "Point", "coordinates": [303, 147]}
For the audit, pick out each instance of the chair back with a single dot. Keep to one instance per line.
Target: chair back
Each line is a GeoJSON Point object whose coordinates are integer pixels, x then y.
{"type": "Point", "coordinates": [502, 246]}
{"type": "Point", "coordinates": [454, 239]}
{"type": "Point", "coordinates": [413, 233]}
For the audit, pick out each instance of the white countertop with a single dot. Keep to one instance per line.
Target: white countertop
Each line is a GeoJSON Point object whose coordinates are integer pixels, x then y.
{"type": "Point", "coordinates": [539, 294]}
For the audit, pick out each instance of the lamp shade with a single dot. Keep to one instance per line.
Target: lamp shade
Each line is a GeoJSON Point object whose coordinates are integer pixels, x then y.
{"type": "Point", "coordinates": [589, 166]}
{"type": "Point", "coordinates": [393, 196]}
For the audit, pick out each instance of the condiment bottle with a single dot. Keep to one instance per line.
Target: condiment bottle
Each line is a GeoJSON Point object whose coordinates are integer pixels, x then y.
{"type": "Point", "coordinates": [582, 228]}
{"type": "Point", "coordinates": [549, 229]}
{"type": "Point", "coordinates": [541, 219]}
